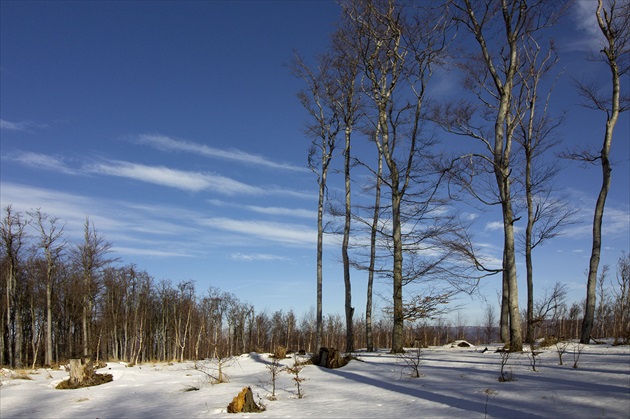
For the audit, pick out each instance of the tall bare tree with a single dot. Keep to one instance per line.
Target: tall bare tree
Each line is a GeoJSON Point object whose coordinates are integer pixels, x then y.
{"type": "Point", "coordinates": [12, 236]}
{"type": "Point", "coordinates": [613, 19]}
{"type": "Point", "coordinates": [547, 212]}
{"type": "Point", "coordinates": [397, 52]}
{"type": "Point", "coordinates": [51, 244]}
{"type": "Point", "coordinates": [318, 100]}
{"type": "Point", "coordinates": [622, 299]}
{"type": "Point", "coordinates": [499, 29]}
{"type": "Point", "coordinates": [345, 70]}
{"type": "Point", "coordinates": [89, 257]}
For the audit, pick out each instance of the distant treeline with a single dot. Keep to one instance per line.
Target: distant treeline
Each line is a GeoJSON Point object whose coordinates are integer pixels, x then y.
{"type": "Point", "coordinates": [63, 300]}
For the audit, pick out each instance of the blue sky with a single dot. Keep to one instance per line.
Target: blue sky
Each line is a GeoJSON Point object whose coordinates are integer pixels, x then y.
{"type": "Point", "coordinates": [175, 127]}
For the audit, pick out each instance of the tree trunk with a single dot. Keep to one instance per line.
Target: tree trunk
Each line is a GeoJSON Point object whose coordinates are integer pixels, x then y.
{"type": "Point", "coordinates": [344, 250]}
{"type": "Point", "coordinates": [374, 230]}
{"type": "Point", "coordinates": [504, 321]}
{"type": "Point", "coordinates": [48, 356]}
{"type": "Point", "coordinates": [397, 336]}
{"type": "Point", "coordinates": [319, 328]}
{"type": "Point", "coordinates": [614, 36]}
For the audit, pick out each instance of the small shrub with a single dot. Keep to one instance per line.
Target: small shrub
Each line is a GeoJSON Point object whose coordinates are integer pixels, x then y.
{"type": "Point", "coordinates": [215, 369]}
{"type": "Point", "coordinates": [411, 360]}
{"type": "Point", "coordinates": [548, 341]}
{"type": "Point", "coordinates": [489, 393]}
{"type": "Point", "coordinates": [561, 348]}
{"type": "Point", "coordinates": [295, 370]}
{"type": "Point", "coordinates": [274, 369]}
{"type": "Point", "coordinates": [533, 358]}
{"type": "Point", "coordinates": [20, 375]}
{"type": "Point", "coordinates": [577, 351]}
{"type": "Point", "coordinates": [280, 352]}
{"type": "Point", "coordinates": [505, 376]}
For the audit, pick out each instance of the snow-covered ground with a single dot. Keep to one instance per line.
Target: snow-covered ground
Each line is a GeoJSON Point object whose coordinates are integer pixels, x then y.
{"type": "Point", "coordinates": [456, 382]}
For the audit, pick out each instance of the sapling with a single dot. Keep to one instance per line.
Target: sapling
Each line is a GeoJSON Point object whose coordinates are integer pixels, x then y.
{"type": "Point", "coordinates": [577, 351]}
{"type": "Point", "coordinates": [489, 393]}
{"type": "Point", "coordinates": [295, 369]}
{"type": "Point", "coordinates": [561, 348]}
{"type": "Point", "coordinates": [274, 369]}
{"type": "Point", "coordinates": [215, 369]}
{"type": "Point", "coordinates": [505, 376]}
{"type": "Point", "coordinates": [533, 357]}
{"type": "Point", "coordinates": [412, 360]}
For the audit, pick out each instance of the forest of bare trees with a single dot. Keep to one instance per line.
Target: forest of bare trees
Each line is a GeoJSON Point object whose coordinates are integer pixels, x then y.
{"type": "Point", "coordinates": [505, 123]}
{"type": "Point", "coordinates": [122, 313]}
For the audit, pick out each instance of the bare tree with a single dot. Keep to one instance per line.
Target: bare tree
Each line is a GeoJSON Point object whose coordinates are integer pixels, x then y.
{"type": "Point", "coordinates": [51, 244]}
{"type": "Point", "coordinates": [318, 100]}
{"type": "Point", "coordinates": [622, 300]}
{"type": "Point", "coordinates": [613, 19]}
{"type": "Point", "coordinates": [603, 308]}
{"type": "Point", "coordinates": [345, 71]}
{"type": "Point", "coordinates": [499, 29]}
{"type": "Point", "coordinates": [397, 52]}
{"type": "Point", "coordinates": [182, 315]}
{"type": "Point", "coordinates": [89, 257]}
{"type": "Point", "coordinates": [547, 214]}
{"type": "Point", "coordinates": [12, 236]}
{"type": "Point", "coordinates": [489, 322]}
{"type": "Point", "coordinates": [548, 307]}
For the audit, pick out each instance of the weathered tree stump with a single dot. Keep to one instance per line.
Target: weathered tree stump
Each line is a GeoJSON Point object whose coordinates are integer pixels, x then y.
{"type": "Point", "coordinates": [244, 403]}
{"type": "Point", "coordinates": [76, 372]}
{"type": "Point", "coordinates": [82, 374]}
{"type": "Point", "coordinates": [329, 358]}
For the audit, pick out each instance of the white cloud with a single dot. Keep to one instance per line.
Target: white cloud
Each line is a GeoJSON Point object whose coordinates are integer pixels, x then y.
{"type": "Point", "coordinates": [494, 226]}
{"type": "Point", "coordinates": [498, 226]}
{"type": "Point", "coordinates": [41, 161]}
{"type": "Point", "coordinates": [589, 34]}
{"type": "Point", "coordinates": [15, 126]}
{"type": "Point", "coordinates": [256, 257]}
{"type": "Point", "coordinates": [277, 232]}
{"type": "Point", "coordinates": [147, 252]}
{"type": "Point", "coordinates": [134, 229]}
{"type": "Point", "coordinates": [616, 222]}
{"type": "Point", "coordinates": [160, 175]}
{"type": "Point", "coordinates": [162, 142]}
{"type": "Point", "coordinates": [290, 212]}
{"type": "Point", "coordinates": [280, 211]}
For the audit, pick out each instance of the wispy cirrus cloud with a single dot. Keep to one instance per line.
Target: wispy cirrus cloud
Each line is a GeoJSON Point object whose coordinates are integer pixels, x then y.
{"type": "Point", "coordinates": [276, 232]}
{"type": "Point", "coordinates": [616, 222]}
{"type": "Point", "coordinates": [256, 257]}
{"type": "Point", "coordinates": [18, 126]}
{"type": "Point", "coordinates": [134, 229]}
{"type": "Point", "coordinates": [583, 15]}
{"type": "Point", "coordinates": [180, 179]}
{"type": "Point", "coordinates": [279, 211]}
{"type": "Point", "coordinates": [162, 142]}
{"type": "Point", "coordinates": [41, 161]}
{"type": "Point", "coordinates": [157, 175]}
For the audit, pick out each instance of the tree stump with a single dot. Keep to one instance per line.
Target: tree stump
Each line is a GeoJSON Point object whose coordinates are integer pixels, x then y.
{"type": "Point", "coordinates": [329, 358]}
{"type": "Point", "coordinates": [76, 372]}
{"type": "Point", "coordinates": [323, 357]}
{"type": "Point", "coordinates": [244, 403]}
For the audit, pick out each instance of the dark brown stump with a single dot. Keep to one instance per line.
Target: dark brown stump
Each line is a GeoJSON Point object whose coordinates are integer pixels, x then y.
{"type": "Point", "coordinates": [323, 357]}
{"type": "Point", "coordinates": [244, 403]}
